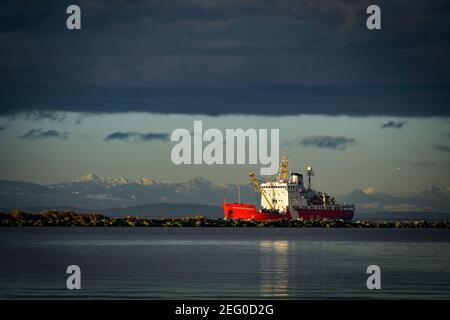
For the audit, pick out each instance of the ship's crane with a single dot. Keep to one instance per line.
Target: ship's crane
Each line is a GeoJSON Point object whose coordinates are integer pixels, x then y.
{"type": "Point", "coordinates": [261, 190]}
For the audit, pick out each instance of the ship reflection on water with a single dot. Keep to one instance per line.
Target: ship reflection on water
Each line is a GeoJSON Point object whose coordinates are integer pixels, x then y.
{"type": "Point", "coordinates": [224, 263]}
{"type": "Point", "coordinates": [274, 269]}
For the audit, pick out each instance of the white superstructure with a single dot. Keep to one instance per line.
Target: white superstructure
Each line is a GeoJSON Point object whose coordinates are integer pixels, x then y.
{"type": "Point", "coordinates": [289, 191]}
{"type": "Point", "coordinates": [283, 194]}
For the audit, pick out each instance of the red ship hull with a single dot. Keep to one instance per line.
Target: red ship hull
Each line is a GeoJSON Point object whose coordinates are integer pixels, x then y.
{"type": "Point", "coordinates": [249, 212]}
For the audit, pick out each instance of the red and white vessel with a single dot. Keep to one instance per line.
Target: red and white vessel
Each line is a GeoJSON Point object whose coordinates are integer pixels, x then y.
{"type": "Point", "coordinates": [286, 198]}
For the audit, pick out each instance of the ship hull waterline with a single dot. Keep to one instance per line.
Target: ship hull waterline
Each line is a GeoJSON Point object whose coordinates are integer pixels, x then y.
{"type": "Point", "coordinates": [241, 211]}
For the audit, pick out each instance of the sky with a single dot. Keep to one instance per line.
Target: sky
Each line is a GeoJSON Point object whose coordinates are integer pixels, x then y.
{"type": "Point", "coordinates": [364, 108]}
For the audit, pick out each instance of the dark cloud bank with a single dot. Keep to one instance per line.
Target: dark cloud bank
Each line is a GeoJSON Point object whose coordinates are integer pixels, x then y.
{"type": "Point", "coordinates": [226, 57]}
{"type": "Point", "coordinates": [259, 100]}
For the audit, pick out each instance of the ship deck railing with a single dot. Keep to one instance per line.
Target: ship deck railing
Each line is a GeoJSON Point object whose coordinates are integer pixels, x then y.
{"type": "Point", "coordinates": [330, 207]}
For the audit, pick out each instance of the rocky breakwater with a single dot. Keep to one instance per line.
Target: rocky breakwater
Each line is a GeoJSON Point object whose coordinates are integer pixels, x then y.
{"type": "Point", "coordinates": [18, 218]}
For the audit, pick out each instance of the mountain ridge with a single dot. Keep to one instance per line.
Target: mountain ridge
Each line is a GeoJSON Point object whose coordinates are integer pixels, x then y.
{"type": "Point", "coordinates": [100, 193]}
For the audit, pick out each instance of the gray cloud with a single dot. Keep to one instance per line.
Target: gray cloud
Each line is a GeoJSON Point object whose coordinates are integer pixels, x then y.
{"type": "Point", "coordinates": [423, 164]}
{"type": "Point", "coordinates": [2, 128]}
{"type": "Point", "coordinates": [426, 164]}
{"type": "Point", "coordinates": [37, 134]}
{"type": "Point", "coordinates": [137, 137]}
{"type": "Point", "coordinates": [59, 115]}
{"type": "Point", "coordinates": [45, 115]}
{"type": "Point", "coordinates": [441, 147]}
{"type": "Point", "coordinates": [393, 124]}
{"type": "Point", "coordinates": [330, 142]}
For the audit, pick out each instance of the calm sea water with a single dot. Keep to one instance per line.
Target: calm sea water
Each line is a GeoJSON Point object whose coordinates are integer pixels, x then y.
{"type": "Point", "coordinates": [153, 263]}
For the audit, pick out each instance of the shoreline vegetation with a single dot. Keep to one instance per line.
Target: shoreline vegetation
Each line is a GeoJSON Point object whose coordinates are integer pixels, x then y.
{"type": "Point", "coordinates": [18, 218]}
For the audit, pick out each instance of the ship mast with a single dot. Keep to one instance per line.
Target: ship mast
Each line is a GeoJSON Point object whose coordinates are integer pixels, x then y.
{"type": "Point", "coordinates": [310, 173]}
{"type": "Point", "coordinates": [258, 187]}
{"type": "Point", "coordinates": [283, 171]}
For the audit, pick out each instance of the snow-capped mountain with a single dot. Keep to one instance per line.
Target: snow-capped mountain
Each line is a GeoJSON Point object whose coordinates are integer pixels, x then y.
{"type": "Point", "coordinates": [370, 190]}
{"type": "Point", "coordinates": [114, 181]}
{"type": "Point", "coordinates": [431, 199]}
{"type": "Point", "coordinates": [95, 193]}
